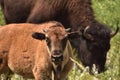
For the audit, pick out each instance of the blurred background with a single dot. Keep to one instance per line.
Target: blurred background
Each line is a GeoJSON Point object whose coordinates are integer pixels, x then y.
{"type": "Point", "coordinates": [106, 12]}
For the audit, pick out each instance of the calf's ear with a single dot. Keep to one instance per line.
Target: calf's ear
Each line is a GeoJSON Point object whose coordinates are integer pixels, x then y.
{"type": "Point", "coordinates": [38, 35]}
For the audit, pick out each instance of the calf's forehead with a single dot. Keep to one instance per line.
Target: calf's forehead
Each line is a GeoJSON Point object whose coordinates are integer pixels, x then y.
{"type": "Point", "coordinates": [57, 32]}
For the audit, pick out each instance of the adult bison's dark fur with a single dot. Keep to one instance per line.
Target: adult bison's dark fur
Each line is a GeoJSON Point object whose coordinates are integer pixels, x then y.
{"type": "Point", "coordinates": [94, 45]}
{"type": "Point", "coordinates": [76, 14]}
{"type": "Point", "coordinates": [72, 13]}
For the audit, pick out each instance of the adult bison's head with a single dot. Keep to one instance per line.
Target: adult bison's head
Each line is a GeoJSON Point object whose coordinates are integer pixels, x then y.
{"type": "Point", "coordinates": [94, 45]}
{"type": "Point", "coordinates": [56, 37]}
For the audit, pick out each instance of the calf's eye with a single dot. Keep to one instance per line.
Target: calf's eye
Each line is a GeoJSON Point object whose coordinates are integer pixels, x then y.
{"type": "Point", "coordinates": [48, 41]}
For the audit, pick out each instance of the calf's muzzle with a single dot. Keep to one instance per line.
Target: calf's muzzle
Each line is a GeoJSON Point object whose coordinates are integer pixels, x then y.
{"type": "Point", "coordinates": [57, 56]}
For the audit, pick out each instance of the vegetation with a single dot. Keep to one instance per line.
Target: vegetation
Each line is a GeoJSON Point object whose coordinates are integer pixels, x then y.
{"type": "Point", "coordinates": [107, 12]}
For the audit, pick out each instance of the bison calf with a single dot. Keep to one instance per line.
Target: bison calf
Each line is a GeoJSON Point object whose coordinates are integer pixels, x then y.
{"type": "Point", "coordinates": [36, 50]}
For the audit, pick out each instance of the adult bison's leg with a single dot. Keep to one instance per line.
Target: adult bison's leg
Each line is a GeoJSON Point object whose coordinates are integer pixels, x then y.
{"type": "Point", "coordinates": [3, 9]}
{"type": "Point", "coordinates": [2, 4]}
{"type": "Point", "coordinates": [41, 14]}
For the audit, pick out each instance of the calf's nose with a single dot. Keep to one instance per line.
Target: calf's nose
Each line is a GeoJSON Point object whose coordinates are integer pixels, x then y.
{"type": "Point", "coordinates": [57, 56]}
{"type": "Point", "coordinates": [56, 52]}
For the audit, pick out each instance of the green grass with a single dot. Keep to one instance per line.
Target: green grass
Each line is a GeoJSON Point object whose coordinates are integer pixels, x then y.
{"type": "Point", "coordinates": [107, 12]}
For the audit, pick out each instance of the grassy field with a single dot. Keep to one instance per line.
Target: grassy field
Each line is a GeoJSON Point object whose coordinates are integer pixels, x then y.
{"type": "Point", "coordinates": [107, 12]}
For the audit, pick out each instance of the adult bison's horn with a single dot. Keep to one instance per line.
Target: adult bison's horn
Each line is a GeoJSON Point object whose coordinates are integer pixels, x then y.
{"type": "Point", "coordinates": [68, 29]}
{"type": "Point", "coordinates": [112, 34]}
{"type": "Point", "coordinates": [86, 35]}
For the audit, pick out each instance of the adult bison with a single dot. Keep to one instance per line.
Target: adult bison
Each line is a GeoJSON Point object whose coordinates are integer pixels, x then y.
{"type": "Point", "coordinates": [76, 14]}
{"type": "Point", "coordinates": [42, 50]}
{"type": "Point", "coordinates": [72, 13]}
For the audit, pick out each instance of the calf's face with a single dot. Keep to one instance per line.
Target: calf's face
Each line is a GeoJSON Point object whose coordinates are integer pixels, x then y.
{"type": "Point", "coordinates": [56, 38]}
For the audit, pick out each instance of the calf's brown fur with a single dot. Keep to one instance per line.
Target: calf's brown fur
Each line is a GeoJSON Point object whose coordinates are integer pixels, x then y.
{"type": "Point", "coordinates": [30, 57]}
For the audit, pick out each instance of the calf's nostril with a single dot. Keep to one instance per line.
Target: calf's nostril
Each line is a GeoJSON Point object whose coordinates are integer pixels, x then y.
{"type": "Point", "coordinates": [57, 52]}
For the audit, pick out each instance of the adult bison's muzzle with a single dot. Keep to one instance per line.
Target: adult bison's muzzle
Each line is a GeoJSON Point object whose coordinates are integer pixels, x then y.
{"type": "Point", "coordinates": [56, 56]}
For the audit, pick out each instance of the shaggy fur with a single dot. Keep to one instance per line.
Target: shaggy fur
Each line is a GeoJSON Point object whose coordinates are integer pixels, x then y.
{"type": "Point", "coordinates": [72, 13]}
{"type": "Point", "coordinates": [29, 57]}
{"type": "Point", "coordinates": [76, 14]}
